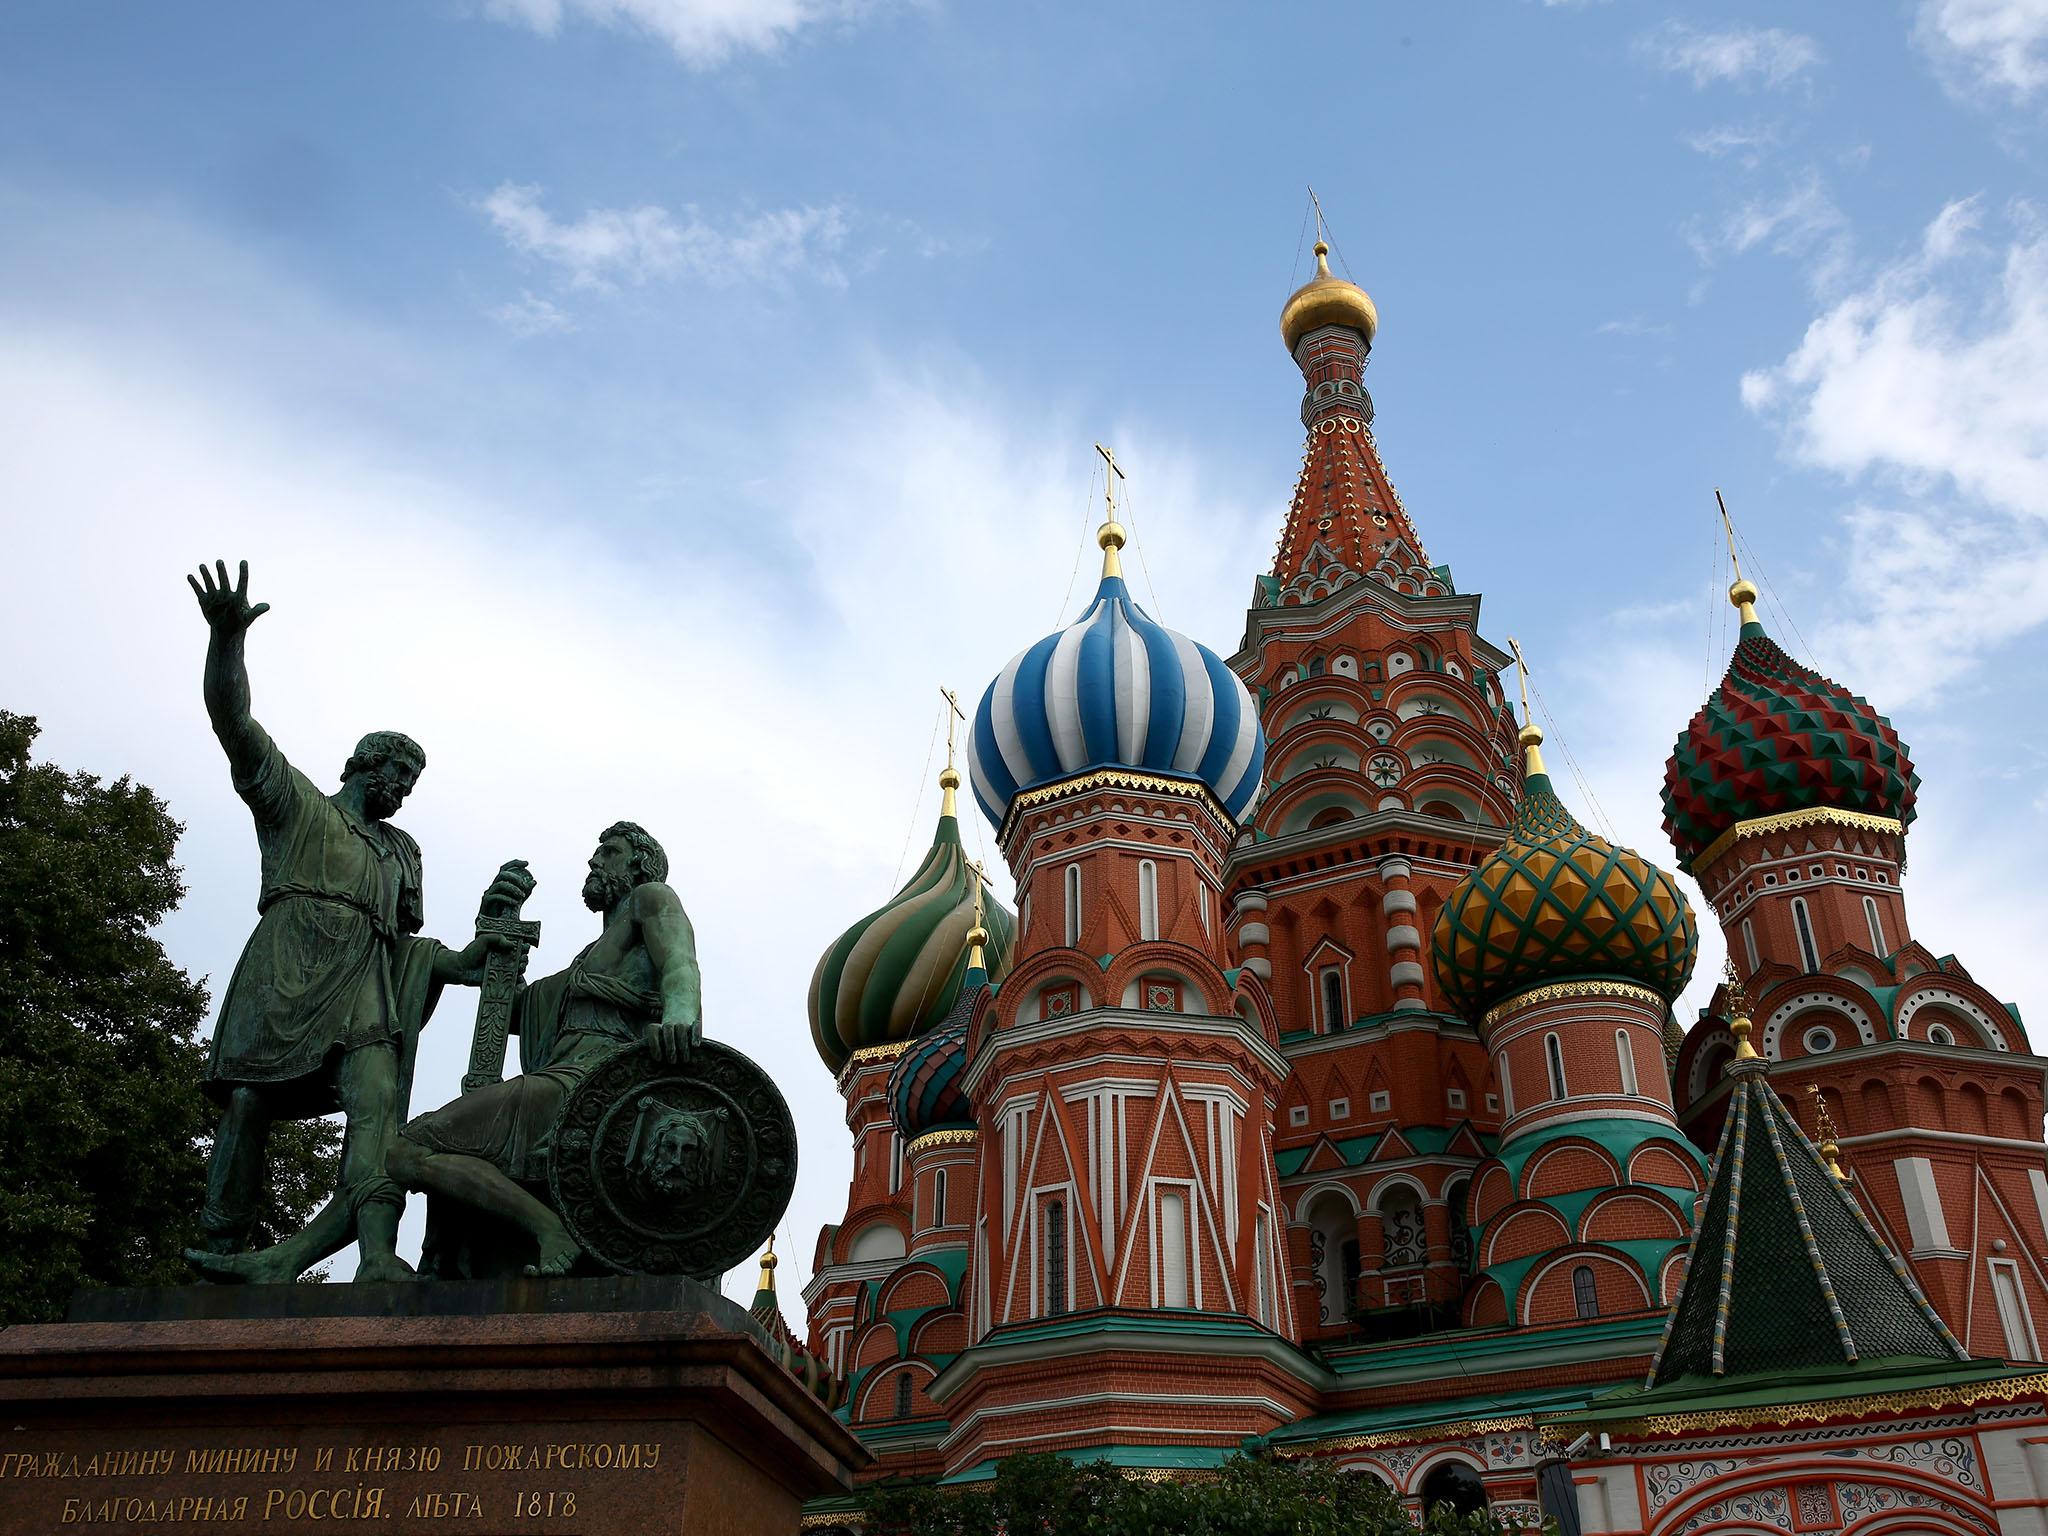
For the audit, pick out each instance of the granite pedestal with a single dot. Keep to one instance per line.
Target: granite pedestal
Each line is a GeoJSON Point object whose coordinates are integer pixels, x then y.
{"type": "Point", "coordinates": [538, 1406]}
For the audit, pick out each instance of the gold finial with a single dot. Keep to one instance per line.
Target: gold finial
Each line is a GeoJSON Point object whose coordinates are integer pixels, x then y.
{"type": "Point", "coordinates": [1743, 593]}
{"type": "Point", "coordinates": [1531, 734]}
{"type": "Point", "coordinates": [1738, 1013]}
{"type": "Point", "coordinates": [949, 776]}
{"type": "Point", "coordinates": [1824, 1134]}
{"type": "Point", "coordinates": [977, 936]}
{"type": "Point", "coordinates": [1111, 534]}
{"type": "Point", "coordinates": [768, 1263]}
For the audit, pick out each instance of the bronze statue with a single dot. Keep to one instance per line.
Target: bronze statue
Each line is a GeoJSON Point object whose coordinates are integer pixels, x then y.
{"type": "Point", "coordinates": [325, 1006]}
{"type": "Point", "coordinates": [634, 990]}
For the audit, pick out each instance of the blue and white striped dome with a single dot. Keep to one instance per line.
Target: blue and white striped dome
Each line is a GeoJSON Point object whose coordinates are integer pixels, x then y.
{"type": "Point", "coordinates": [1115, 689]}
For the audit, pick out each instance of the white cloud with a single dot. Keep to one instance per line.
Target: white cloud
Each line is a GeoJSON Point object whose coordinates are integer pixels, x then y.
{"type": "Point", "coordinates": [703, 33]}
{"type": "Point", "coordinates": [1746, 143]}
{"type": "Point", "coordinates": [1923, 384]}
{"type": "Point", "coordinates": [639, 245]}
{"type": "Point", "coordinates": [1739, 56]}
{"type": "Point", "coordinates": [1803, 222]}
{"type": "Point", "coordinates": [530, 315]}
{"type": "Point", "coordinates": [1999, 45]}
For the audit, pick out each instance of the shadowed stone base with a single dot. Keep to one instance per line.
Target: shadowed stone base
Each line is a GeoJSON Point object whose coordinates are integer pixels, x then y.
{"type": "Point", "coordinates": [549, 1406]}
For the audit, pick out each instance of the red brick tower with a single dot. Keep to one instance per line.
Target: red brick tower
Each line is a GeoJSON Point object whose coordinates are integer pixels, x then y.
{"type": "Point", "coordinates": [1567, 952]}
{"type": "Point", "coordinates": [1788, 798]}
{"type": "Point", "coordinates": [1391, 773]}
{"type": "Point", "coordinates": [880, 987]}
{"type": "Point", "coordinates": [1127, 1253]}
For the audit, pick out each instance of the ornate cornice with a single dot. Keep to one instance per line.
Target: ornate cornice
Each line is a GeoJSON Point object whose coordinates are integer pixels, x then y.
{"type": "Point", "coordinates": [1456, 1430]}
{"type": "Point", "coordinates": [1558, 991]}
{"type": "Point", "coordinates": [948, 1137]}
{"type": "Point", "coordinates": [1785, 821]}
{"type": "Point", "coordinates": [1784, 1415]}
{"type": "Point", "coordinates": [869, 1055]}
{"type": "Point", "coordinates": [1111, 778]}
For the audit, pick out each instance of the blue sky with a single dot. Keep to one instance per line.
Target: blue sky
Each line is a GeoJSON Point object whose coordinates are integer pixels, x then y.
{"type": "Point", "coordinates": [648, 403]}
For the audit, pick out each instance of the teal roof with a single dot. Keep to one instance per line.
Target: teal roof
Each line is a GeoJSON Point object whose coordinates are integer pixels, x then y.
{"type": "Point", "coordinates": [1785, 1270]}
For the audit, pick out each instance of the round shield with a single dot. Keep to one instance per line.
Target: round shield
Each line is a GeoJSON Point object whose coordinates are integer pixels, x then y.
{"type": "Point", "coordinates": [673, 1168]}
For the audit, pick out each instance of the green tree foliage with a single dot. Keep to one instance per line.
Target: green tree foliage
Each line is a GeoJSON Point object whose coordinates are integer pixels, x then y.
{"type": "Point", "coordinates": [103, 1128]}
{"type": "Point", "coordinates": [1247, 1496]}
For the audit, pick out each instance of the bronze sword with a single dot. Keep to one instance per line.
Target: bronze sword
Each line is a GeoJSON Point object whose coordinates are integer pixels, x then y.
{"type": "Point", "coordinates": [503, 969]}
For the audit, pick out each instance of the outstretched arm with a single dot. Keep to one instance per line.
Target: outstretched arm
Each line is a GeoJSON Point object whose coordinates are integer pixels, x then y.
{"type": "Point", "coordinates": [229, 613]}
{"type": "Point", "coordinates": [672, 946]}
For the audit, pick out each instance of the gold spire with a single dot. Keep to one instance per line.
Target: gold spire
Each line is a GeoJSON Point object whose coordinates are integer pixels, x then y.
{"type": "Point", "coordinates": [1111, 534]}
{"type": "Point", "coordinates": [1743, 593]}
{"type": "Point", "coordinates": [1531, 734]}
{"type": "Point", "coordinates": [977, 936]}
{"type": "Point", "coordinates": [768, 1263]}
{"type": "Point", "coordinates": [1738, 1013]}
{"type": "Point", "coordinates": [1824, 1134]}
{"type": "Point", "coordinates": [949, 776]}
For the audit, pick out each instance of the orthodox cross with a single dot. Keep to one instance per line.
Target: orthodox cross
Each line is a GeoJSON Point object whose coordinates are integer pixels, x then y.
{"type": "Point", "coordinates": [1728, 523]}
{"type": "Point", "coordinates": [1318, 202]}
{"type": "Point", "coordinates": [1114, 473]}
{"type": "Point", "coordinates": [953, 712]}
{"type": "Point", "coordinates": [1737, 1001]}
{"type": "Point", "coordinates": [1522, 676]}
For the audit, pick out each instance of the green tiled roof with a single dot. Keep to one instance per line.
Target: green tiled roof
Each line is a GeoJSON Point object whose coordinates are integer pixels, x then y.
{"type": "Point", "coordinates": [1785, 1270]}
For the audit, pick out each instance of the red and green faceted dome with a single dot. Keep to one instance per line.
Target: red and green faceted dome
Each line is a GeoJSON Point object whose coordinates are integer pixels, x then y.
{"type": "Point", "coordinates": [1776, 736]}
{"type": "Point", "coordinates": [1556, 902]}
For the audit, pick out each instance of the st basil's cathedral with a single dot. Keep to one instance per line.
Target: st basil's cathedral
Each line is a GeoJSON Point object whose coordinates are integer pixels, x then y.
{"type": "Point", "coordinates": [1324, 1094]}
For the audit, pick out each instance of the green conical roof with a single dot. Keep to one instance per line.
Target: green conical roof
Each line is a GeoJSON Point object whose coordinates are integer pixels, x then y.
{"type": "Point", "coordinates": [1786, 1271]}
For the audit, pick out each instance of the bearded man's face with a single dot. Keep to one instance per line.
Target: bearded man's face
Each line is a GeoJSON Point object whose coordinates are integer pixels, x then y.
{"type": "Point", "coordinates": [610, 880]}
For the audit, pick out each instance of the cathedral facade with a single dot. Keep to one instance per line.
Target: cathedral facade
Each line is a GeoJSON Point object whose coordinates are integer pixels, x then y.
{"type": "Point", "coordinates": [1325, 1092]}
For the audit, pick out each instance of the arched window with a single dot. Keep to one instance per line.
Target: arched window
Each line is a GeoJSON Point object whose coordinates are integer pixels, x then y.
{"type": "Point", "coordinates": [1315, 666]}
{"type": "Point", "coordinates": [1333, 999]}
{"type": "Point", "coordinates": [1148, 899]}
{"type": "Point", "coordinates": [1073, 879]}
{"type": "Point", "coordinates": [1553, 1057]}
{"type": "Point", "coordinates": [1871, 917]}
{"type": "Point", "coordinates": [1401, 1224]}
{"type": "Point", "coordinates": [1055, 1218]}
{"type": "Point", "coordinates": [903, 1395]}
{"type": "Point", "coordinates": [1749, 943]}
{"type": "Point", "coordinates": [1809, 952]}
{"type": "Point", "coordinates": [939, 1198]}
{"type": "Point", "coordinates": [1507, 1084]}
{"type": "Point", "coordinates": [1202, 903]}
{"type": "Point", "coordinates": [1585, 1294]}
{"type": "Point", "coordinates": [1625, 1054]}
{"type": "Point", "coordinates": [1455, 1484]}
{"type": "Point", "coordinates": [1173, 1249]}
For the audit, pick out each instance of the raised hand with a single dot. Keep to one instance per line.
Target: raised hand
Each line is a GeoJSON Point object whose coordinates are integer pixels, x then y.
{"type": "Point", "coordinates": [227, 609]}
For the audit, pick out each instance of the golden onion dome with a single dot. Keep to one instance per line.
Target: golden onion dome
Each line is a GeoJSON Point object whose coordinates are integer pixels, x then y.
{"type": "Point", "coordinates": [1326, 299]}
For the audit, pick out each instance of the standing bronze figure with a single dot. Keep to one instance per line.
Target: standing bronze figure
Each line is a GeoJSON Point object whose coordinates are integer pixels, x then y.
{"type": "Point", "coordinates": [325, 1006]}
